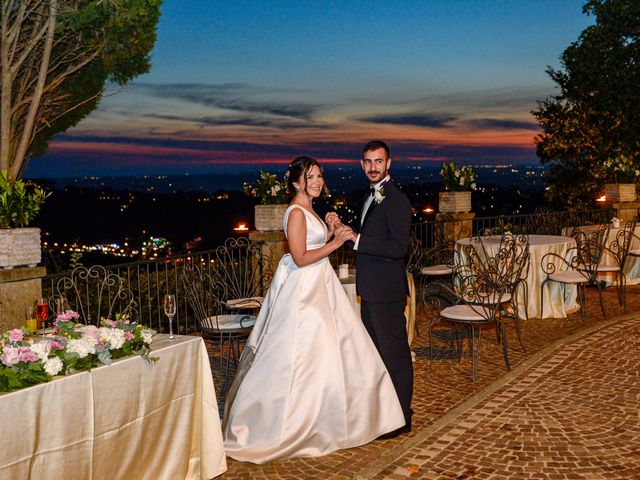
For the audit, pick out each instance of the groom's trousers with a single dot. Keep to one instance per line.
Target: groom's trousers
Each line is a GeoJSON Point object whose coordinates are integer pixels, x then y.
{"type": "Point", "coordinates": [386, 324]}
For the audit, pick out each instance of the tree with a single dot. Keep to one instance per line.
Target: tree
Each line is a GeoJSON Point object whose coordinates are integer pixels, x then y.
{"type": "Point", "coordinates": [56, 57]}
{"type": "Point", "coordinates": [595, 120]}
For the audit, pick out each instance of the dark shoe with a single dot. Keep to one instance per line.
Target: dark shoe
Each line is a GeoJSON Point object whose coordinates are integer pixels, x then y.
{"type": "Point", "coordinates": [397, 432]}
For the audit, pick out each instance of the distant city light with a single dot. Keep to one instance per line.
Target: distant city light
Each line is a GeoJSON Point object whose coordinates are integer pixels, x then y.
{"type": "Point", "coordinates": [428, 210]}
{"type": "Point", "coordinates": [241, 227]}
{"type": "Point", "coordinates": [603, 198]}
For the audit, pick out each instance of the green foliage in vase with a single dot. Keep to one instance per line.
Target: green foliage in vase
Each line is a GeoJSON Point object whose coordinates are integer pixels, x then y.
{"type": "Point", "coordinates": [268, 189]}
{"type": "Point", "coordinates": [20, 202]}
{"type": "Point", "coordinates": [594, 121]}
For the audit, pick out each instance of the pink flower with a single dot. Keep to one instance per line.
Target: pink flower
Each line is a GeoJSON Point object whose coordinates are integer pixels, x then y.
{"type": "Point", "coordinates": [16, 335]}
{"type": "Point", "coordinates": [10, 356]}
{"type": "Point", "coordinates": [26, 355]}
{"type": "Point", "coordinates": [128, 336]}
{"type": "Point", "coordinates": [90, 332]}
{"type": "Point", "coordinates": [112, 323]}
{"type": "Point", "coordinates": [68, 316]}
{"type": "Point", "coordinates": [56, 345]}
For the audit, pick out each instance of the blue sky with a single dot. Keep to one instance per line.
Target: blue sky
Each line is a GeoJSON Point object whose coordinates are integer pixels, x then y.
{"type": "Point", "coordinates": [237, 85]}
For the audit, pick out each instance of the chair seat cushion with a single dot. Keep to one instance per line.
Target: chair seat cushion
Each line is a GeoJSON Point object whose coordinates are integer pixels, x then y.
{"type": "Point", "coordinates": [635, 252]}
{"type": "Point", "coordinates": [608, 268]}
{"type": "Point", "coordinates": [467, 313]}
{"type": "Point", "coordinates": [568, 276]}
{"type": "Point", "coordinates": [249, 302]}
{"type": "Point", "coordinates": [229, 322]}
{"type": "Point", "coordinates": [441, 269]}
{"type": "Point", "coordinates": [488, 299]}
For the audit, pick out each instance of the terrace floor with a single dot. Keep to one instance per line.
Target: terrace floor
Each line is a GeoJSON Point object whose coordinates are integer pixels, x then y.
{"type": "Point", "coordinates": [568, 409]}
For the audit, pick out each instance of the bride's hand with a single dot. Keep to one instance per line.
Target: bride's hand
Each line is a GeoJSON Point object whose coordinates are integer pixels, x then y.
{"type": "Point", "coordinates": [332, 220]}
{"type": "Point", "coordinates": [343, 233]}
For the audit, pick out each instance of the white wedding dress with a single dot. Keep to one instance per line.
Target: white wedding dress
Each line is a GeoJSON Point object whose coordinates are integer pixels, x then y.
{"type": "Point", "coordinates": [310, 381]}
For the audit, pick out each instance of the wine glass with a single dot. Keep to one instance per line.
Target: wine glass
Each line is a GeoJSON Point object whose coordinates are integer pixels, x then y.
{"type": "Point", "coordinates": [31, 321]}
{"type": "Point", "coordinates": [169, 305]}
{"type": "Point", "coordinates": [42, 311]}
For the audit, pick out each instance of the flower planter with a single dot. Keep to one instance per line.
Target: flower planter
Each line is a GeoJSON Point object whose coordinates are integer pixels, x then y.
{"type": "Point", "coordinates": [455, 202]}
{"type": "Point", "coordinates": [620, 192]}
{"type": "Point", "coordinates": [20, 246]}
{"type": "Point", "coordinates": [269, 217]}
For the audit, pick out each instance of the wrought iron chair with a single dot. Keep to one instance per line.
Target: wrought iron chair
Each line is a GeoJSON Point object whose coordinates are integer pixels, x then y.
{"type": "Point", "coordinates": [579, 267]}
{"type": "Point", "coordinates": [483, 285]}
{"type": "Point", "coordinates": [617, 251]}
{"type": "Point", "coordinates": [242, 272]}
{"type": "Point", "coordinates": [95, 293]}
{"type": "Point", "coordinates": [225, 332]}
{"type": "Point", "coordinates": [438, 261]}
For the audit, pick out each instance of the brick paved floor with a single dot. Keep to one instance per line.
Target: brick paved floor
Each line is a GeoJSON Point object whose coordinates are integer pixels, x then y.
{"type": "Point", "coordinates": [569, 409]}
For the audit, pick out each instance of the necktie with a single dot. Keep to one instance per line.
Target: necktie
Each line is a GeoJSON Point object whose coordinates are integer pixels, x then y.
{"type": "Point", "coordinates": [372, 190]}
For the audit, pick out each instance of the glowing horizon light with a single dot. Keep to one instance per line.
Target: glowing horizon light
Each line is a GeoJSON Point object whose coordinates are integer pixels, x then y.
{"type": "Point", "coordinates": [603, 198]}
{"type": "Point", "coordinates": [242, 227]}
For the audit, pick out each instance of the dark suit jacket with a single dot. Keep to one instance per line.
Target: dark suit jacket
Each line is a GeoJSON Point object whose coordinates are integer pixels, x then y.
{"type": "Point", "coordinates": [384, 237]}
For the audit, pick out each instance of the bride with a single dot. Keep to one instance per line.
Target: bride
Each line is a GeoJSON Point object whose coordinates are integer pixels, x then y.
{"type": "Point", "coordinates": [310, 381]}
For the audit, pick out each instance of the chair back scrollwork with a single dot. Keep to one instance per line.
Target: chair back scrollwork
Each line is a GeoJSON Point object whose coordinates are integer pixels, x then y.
{"type": "Point", "coordinates": [95, 293]}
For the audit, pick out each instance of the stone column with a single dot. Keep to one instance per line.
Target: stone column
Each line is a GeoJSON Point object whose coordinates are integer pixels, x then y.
{"type": "Point", "coordinates": [625, 211]}
{"type": "Point", "coordinates": [19, 288]}
{"type": "Point", "coordinates": [275, 245]}
{"type": "Point", "coordinates": [456, 225]}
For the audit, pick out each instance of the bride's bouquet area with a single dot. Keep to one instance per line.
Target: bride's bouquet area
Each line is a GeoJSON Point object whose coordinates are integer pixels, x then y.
{"type": "Point", "coordinates": [29, 360]}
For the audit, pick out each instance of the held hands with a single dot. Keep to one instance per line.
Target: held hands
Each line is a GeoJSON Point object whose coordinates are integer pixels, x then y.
{"type": "Point", "coordinates": [332, 220]}
{"type": "Point", "coordinates": [343, 233]}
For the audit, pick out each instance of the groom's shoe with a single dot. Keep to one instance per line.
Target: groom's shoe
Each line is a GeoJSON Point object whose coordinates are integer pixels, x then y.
{"type": "Point", "coordinates": [406, 428]}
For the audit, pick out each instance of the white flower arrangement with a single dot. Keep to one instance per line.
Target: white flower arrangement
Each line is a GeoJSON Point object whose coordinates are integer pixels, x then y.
{"type": "Point", "coordinates": [458, 179]}
{"type": "Point", "coordinates": [378, 196]}
{"type": "Point", "coordinates": [25, 361]}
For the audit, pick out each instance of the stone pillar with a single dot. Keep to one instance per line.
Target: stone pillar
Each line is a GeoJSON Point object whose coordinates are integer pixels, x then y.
{"type": "Point", "coordinates": [625, 211]}
{"type": "Point", "coordinates": [275, 245]}
{"type": "Point", "coordinates": [456, 225]}
{"type": "Point", "coordinates": [19, 288]}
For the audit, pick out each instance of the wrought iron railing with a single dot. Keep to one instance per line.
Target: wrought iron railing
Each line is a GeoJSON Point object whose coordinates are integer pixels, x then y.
{"type": "Point", "coordinates": [149, 280]}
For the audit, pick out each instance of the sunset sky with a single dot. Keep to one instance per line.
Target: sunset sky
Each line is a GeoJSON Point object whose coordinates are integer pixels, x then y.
{"type": "Point", "coordinates": [238, 84]}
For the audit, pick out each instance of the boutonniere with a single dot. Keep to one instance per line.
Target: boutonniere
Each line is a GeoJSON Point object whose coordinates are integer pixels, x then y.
{"type": "Point", "coordinates": [378, 197]}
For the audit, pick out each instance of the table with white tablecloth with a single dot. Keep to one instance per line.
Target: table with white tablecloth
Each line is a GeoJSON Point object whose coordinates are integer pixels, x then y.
{"type": "Point", "coordinates": [559, 301]}
{"type": "Point", "coordinates": [126, 420]}
{"type": "Point", "coordinates": [349, 285]}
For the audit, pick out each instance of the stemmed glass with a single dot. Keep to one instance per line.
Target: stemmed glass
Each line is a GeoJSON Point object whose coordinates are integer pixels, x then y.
{"type": "Point", "coordinates": [42, 311]}
{"type": "Point", "coordinates": [170, 310]}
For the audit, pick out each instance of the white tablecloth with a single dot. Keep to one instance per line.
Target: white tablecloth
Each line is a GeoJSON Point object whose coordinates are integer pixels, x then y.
{"type": "Point", "coordinates": [127, 420]}
{"type": "Point", "coordinates": [558, 303]}
{"type": "Point", "coordinates": [632, 266]}
{"type": "Point", "coordinates": [349, 285]}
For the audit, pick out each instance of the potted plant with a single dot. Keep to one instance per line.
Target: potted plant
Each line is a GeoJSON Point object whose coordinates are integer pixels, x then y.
{"type": "Point", "coordinates": [621, 176]}
{"type": "Point", "coordinates": [272, 195]}
{"type": "Point", "coordinates": [458, 183]}
{"type": "Point", "coordinates": [20, 203]}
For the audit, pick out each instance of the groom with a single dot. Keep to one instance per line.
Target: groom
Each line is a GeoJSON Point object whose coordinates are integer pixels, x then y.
{"type": "Point", "coordinates": [381, 279]}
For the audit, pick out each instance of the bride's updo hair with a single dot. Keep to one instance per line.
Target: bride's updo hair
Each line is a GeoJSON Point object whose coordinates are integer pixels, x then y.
{"type": "Point", "coordinates": [298, 170]}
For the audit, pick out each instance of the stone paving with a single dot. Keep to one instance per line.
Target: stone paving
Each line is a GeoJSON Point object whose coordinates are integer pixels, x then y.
{"type": "Point", "coordinates": [569, 409]}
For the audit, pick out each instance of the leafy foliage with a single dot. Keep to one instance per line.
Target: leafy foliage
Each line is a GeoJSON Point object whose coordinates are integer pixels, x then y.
{"type": "Point", "coordinates": [20, 202]}
{"type": "Point", "coordinates": [596, 117]}
{"type": "Point", "coordinates": [458, 179]}
{"type": "Point", "coordinates": [269, 190]}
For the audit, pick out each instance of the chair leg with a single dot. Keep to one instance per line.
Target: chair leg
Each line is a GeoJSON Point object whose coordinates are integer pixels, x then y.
{"type": "Point", "coordinates": [544, 282]}
{"type": "Point", "coordinates": [505, 349]}
{"type": "Point", "coordinates": [599, 287]}
{"type": "Point", "coordinates": [473, 350]}
{"type": "Point", "coordinates": [582, 300]}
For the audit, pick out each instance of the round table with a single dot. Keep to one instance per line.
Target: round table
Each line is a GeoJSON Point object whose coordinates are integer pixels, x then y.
{"type": "Point", "coordinates": [559, 299]}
